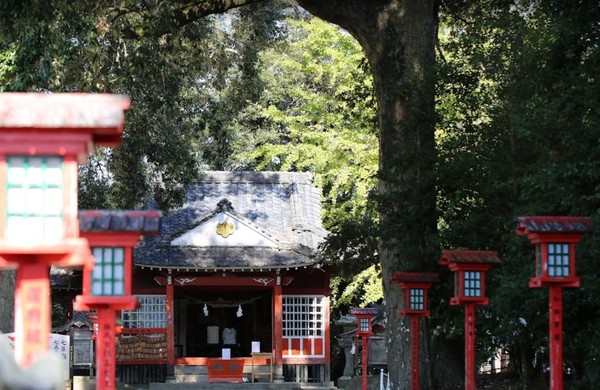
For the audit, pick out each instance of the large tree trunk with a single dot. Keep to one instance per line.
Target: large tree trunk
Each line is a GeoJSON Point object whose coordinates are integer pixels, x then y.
{"type": "Point", "coordinates": [398, 37]}
{"type": "Point", "coordinates": [7, 300]}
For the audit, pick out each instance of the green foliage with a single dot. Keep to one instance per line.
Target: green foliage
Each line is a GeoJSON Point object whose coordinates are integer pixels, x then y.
{"type": "Point", "coordinates": [184, 84]}
{"type": "Point", "coordinates": [364, 289]}
{"type": "Point", "coordinates": [518, 135]}
{"type": "Point", "coordinates": [316, 113]}
{"type": "Point", "coordinates": [309, 118]}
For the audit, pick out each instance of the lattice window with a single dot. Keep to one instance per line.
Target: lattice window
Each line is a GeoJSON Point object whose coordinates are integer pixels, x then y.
{"type": "Point", "coordinates": [34, 199]}
{"type": "Point", "coordinates": [108, 276]}
{"type": "Point", "coordinates": [152, 313]}
{"type": "Point", "coordinates": [472, 283]}
{"type": "Point", "coordinates": [417, 299]}
{"type": "Point", "coordinates": [558, 260]}
{"type": "Point", "coordinates": [302, 316]}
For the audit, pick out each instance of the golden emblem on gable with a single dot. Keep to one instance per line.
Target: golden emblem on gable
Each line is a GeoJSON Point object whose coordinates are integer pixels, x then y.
{"type": "Point", "coordinates": [225, 229]}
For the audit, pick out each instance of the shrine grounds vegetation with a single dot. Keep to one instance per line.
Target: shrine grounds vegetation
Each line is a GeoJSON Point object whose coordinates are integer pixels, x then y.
{"type": "Point", "coordinates": [427, 125]}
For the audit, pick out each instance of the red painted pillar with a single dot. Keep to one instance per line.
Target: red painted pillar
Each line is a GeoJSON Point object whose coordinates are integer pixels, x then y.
{"type": "Point", "coordinates": [556, 338]}
{"type": "Point", "coordinates": [278, 328]}
{"type": "Point", "coordinates": [32, 312]}
{"type": "Point", "coordinates": [365, 361]}
{"type": "Point", "coordinates": [105, 349]}
{"type": "Point", "coordinates": [414, 353]}
{"type": "Point", "coordinates": [470, 347]}
{"type": "Point", "coordinates": [170, 302]}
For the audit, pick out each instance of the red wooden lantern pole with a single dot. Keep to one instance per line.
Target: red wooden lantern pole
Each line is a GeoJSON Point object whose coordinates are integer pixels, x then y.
{"type": "Point", "coordinates": [42, 139]}
{"type": "Point", "coordinates": [363, 319]}
{"type": "Point", "coordinates": [414, 286]}
{"type": "Point", "coordinates": [555, 239]}
{"type": "Point", "coordinates": [470, 368]}
{"type": "Point", "coordinates": [107, 286]}
{"type": "Point", "coordinates": [469, 269]}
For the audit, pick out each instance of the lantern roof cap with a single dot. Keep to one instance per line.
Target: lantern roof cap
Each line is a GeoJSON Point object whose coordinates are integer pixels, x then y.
{"type": "Point", "coordinates": [554, 224]}
{"type": "Point", "coordinates": [64, 110]}
{"type": "Point", "coordinates": [414, 277]}
{"type": "Point", "coordinates": [469, 256]}
{"type": "Point", "coordinates": [364, 311]}
{"type": "Point", "coordinates": [138, 221]}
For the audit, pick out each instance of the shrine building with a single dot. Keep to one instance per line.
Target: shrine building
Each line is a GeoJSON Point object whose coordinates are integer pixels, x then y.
{"type": "Point", "coordinates": [233, 273]}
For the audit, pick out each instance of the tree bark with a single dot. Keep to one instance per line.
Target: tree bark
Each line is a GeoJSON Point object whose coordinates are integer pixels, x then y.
{"type": "Point", "coordinates": [7, 300]}
{"type": "Point", "coordinates": [398, 37]}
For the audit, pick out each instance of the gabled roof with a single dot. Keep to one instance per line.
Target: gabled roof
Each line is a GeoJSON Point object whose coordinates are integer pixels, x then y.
{"type": "Point", "coordinates": [267, 220]}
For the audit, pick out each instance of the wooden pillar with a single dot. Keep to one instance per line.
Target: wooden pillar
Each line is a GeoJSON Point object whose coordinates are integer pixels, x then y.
{"type": "Point", "coordinates": [32, 312]}
{"type": "Point", "coordinates": [470, 347]}
{"type": "Point", "coordinates": [365, 362]}
{"type": "Point", "coordinates": [170, 306]}
{"type": "Point", "coordinates": [414, 353]}
{"type": "Point", "coordinates": [105, 349]}
{"type": "Point", "coordinates": [327, 346]}
{"type": "Point", "coordinates": [278, 328]}
{"type": "Point", "coordinates": [556, 338]}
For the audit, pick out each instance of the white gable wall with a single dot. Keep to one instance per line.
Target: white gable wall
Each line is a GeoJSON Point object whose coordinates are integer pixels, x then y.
{"type": "Point", "coordinates": [206, 234]}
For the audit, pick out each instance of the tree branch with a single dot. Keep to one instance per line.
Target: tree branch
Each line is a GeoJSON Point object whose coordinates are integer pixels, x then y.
{"type": "Point", "coordinates": [199, 9]}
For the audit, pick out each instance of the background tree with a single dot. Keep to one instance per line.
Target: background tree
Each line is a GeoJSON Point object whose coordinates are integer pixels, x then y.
{"type": "Point", "coordinates": [519, 136]}
{"type": "Point", "coordinates": [110, 41]}
{"type": "Point", "coordinates": [517, 133]}
{"type": "Point", "coordinates": [316, 113]}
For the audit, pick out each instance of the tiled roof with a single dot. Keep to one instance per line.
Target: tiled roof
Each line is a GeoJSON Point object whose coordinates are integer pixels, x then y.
{"type": "Point", "coordinates": [144, 222]}
{"type": "Point", "coordinates": [284, 206]}
{"type": "Point", "coordinates": [554, 225]}
{"type": "Point", "coordinates": [469, 256]}
{"type": "Point", "coordinates": [364, 311]}
{"type": "Point", "coordinates": [414, 277]}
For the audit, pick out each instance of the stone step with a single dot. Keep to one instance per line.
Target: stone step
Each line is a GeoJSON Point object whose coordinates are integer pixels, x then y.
{"type": "Point", "coordinates": [238, 386]}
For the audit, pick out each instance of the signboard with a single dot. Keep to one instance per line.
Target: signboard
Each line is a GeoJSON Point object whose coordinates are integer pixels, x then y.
{"type": "Point", "coordinates": [59, 344]}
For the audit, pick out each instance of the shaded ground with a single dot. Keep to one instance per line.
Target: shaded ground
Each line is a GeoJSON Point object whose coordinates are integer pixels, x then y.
{"type": "Point", "coordinates": [492, 382]}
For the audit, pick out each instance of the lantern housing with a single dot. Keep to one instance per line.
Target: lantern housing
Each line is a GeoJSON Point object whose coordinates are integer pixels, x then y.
{"type": "Point", "coordinates": [469, 269]}
{"type": "Point", "coordinates": [363, 319]}
{"type": "Point", "coordinates": [415, 287]}
{"type": "Point", "coordinates": [554, 239]}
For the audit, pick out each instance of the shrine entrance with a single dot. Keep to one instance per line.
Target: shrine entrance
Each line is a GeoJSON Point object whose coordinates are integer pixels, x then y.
{"type": "Point", "coordinates": [206, 321]}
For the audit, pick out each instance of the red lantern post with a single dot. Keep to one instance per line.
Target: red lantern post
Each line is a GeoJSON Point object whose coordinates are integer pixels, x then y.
{"type": "Point", "coordinates": [112, 235]}
{"type": "Point", "coordinates": [469, 269]}
{"type": "Point", "coordinates": [42, 139]}
{"type": "Point", "coordinates": [363, 319]}
{"type": "Point", "coordinates": [555, 239]}
{"type": "Point", "coordinates": [415, 286]}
